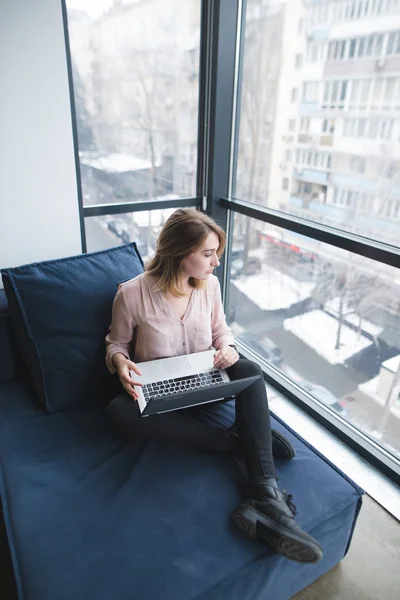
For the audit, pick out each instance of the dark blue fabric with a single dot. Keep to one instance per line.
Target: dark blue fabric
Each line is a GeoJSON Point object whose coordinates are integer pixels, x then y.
{"type": "Point", "coordinates": [8, 358]}
{"type": "Point", "coordinates": [60, 312]}
{"type": "Point", "coordinates": [92, 517]}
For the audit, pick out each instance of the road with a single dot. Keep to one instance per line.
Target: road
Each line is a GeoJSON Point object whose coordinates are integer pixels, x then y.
{"type": "Point", "coordinates": [302, 363]}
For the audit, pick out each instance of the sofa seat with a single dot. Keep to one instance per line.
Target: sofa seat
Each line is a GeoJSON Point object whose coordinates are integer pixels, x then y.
{"type": "Point", "coordinates": [90, 517]}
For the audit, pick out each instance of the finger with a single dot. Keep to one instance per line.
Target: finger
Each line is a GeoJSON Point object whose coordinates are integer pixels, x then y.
{"type": "Point", "coordinates": [228, 358]}
{"type": "Point", "coordinates": [135, 368]}
{"type": "Point", "coordinates": [222, 358]}
{"type": "Point", "coordinates": [130, 381]}
{"type": "Point", "coordinates": [131, 391]}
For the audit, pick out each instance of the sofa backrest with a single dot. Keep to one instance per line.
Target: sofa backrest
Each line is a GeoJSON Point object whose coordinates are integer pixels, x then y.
{"type": "Point", "coordinates": [8, 352]}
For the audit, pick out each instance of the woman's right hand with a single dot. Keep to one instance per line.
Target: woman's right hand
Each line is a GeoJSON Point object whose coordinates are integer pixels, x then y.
{"type": "Point", "coordinates": [123, 366]}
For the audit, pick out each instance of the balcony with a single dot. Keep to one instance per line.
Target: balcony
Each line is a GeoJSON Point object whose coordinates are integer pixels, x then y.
{"type": "Point", "coordinates": [315, 140]}
{"type": "Point", "coordinates": [311, 175]}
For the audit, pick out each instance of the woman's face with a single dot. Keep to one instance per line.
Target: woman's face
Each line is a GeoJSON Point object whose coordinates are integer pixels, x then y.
{"type": "Point", "coordinates": [200, 264]}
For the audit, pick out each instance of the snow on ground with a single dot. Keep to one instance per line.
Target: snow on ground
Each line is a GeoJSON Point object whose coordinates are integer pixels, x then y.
{"type": "Point", "coordinates": [273, 290]}
{"type": "Point", "coordinates": [392, 364]}
{"type": "Point", "coordinates": [367, 326]}
{"type": "Point", "coordinates": [319, 330]}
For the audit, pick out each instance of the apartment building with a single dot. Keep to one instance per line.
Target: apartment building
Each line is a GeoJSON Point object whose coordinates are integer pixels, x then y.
{"type": "Point", "coordinates": [343, 165]}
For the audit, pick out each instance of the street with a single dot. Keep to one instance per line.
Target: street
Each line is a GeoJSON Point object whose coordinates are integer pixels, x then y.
{"type": "Point", "coordinates": [302, 363]}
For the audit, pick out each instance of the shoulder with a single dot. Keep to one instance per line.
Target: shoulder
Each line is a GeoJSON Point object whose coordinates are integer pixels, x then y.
{"type": "Point", "coordinates": [129, 290]}
{"type": "Point", "coordinates": [212, 289]}
{"type": "Point", "coordinates": [131, 284]}
{"type": "Point", "coordinates": [213, 284]}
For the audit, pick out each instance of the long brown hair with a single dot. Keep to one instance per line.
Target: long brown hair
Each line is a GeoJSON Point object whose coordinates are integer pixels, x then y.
{"type": "Point", "coordinates": [183, 233]}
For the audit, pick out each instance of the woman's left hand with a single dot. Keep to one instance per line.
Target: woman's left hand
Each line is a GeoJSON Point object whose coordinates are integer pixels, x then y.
{"type": "Point", "coordinates": [225, 357]}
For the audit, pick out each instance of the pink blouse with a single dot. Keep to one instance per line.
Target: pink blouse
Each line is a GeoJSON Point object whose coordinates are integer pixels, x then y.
{"type": "Point", "coordinates": [144, 325]}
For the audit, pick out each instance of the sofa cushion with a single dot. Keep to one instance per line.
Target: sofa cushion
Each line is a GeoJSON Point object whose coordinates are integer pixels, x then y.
{"type": "Point", "coordinates": [8, 357]}
{"type": "Point", "coordinates": [60, 312]}
{"type": "Point", "coordinates": [90, 516]}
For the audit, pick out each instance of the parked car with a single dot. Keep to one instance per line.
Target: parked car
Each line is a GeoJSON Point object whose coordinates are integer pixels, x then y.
{"type": "Point", "coordinates": [119, 228]}
{"type": "Point", "coordinates": [324, 395]}
{"type": "Point", "coordinates": [265, 347]}
{"type": "Point", "coordinates": [253, 266]}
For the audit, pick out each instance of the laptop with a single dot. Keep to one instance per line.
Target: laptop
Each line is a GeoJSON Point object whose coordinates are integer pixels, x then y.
{"type": "Point", "coordinates": [184, 381]}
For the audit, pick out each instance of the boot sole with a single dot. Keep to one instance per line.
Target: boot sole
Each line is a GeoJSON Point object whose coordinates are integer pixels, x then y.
{"type": "Point", "coordinates": [278, 538]}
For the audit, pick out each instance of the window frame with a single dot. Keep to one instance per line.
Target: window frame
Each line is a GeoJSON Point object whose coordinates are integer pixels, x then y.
{"type": "Point", "coordinates": [221, 59]}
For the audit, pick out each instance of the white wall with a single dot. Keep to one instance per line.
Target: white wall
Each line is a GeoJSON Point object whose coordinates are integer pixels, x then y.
{"type": "Point", "coordinates": [39, 215]}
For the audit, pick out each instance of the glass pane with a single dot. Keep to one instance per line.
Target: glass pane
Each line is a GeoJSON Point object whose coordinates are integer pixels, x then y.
{"type": "Point", "coordinates": [136, 82]}
{"type": "Point", "coordinates": [328, 319]}
{"type": "Point", "coordinates": [354, 85]}
{"type": "Point", "coordinates": [141, 227]}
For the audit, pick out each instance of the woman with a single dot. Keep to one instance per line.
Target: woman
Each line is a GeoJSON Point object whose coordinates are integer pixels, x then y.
{"type": "Point", "coordinates": [175, 308]}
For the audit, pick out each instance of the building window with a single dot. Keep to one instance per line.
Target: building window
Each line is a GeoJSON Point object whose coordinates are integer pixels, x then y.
{"type": "Point", "coordinates": [292, 125]}
{"type": "Point", "coordinates": [335, 94]}
{"type": "Point", "coordinates": [328, 126]}
{"type": "Point", "coordinates": [371, 46]}
{"type": "Point", "coordinates": [372, 128]}
{"type": "Point", "coordinates": [305, 124]}
{"type": "Point", "coordinates": [285, 184]}
{"type": "Point", "coordinates": [311, 91]}
{"type": "Point", "coordinates": [298, 63]}
{"type": "Point", "coordinates": [393, 44]}
{"type": "Point", "coordinates": [295, 94]}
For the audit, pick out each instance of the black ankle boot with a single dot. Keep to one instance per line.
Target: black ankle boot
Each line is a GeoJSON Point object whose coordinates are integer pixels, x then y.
{"type": "Point", "coordinates": [269, 516]}
{"type": "Point", "coordinates": [281, 446]}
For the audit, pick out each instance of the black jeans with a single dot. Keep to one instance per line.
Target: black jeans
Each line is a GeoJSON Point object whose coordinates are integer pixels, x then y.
{"type": "Point", "coordinates": [186, 427]}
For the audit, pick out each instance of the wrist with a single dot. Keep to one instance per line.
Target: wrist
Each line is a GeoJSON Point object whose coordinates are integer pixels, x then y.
{"type": "Point", "coordinates": [118, 359]}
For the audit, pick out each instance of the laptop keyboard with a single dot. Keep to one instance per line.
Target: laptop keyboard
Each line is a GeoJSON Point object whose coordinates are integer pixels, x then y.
{"type": "Point", "coordinates": [181, 384]}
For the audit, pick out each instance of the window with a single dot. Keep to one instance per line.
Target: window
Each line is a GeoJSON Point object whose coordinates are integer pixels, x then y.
{"type": "Point", "coordinates": [304, 124]}
{"type": "Point", "coordinates": [334, 94]}
{"type": "Point", "coordinates": [298, 61]}
{"type": "Point", "coordinates": [141, 227]}
{"type": "Point", "coordinates": [328, 126]}
{"type": "Point", "coordinates": [373, 128]}
{"type": "Point", "coordinates": [377, 95]}
{"type": "Point", "coordinates": [342, 307]}
{"type": "Point", "coordinates": [132, 117]}
{"type": "Point", "coordinates": [315, 52]}
{"type": "Point", "coordinates": [391, 47]}
{"type": "Point", "coordinates": [390, 90]}
{"type": "Point", "coordinates": [339, 330]}
{"type": "Point", "coordinates": [372, 46]}
{"type": "Point", "coordinates": [311, 91]}
{"type": "Point", "coordinates": [330, 117]}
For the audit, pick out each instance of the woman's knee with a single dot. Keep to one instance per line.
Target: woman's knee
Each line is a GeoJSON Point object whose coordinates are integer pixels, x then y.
{"type": "Point", "coordinates": [245, 368]}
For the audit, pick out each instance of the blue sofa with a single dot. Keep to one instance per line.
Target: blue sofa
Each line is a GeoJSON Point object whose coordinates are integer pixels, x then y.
{"type": "Point", "coordinates": [90, 517]}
